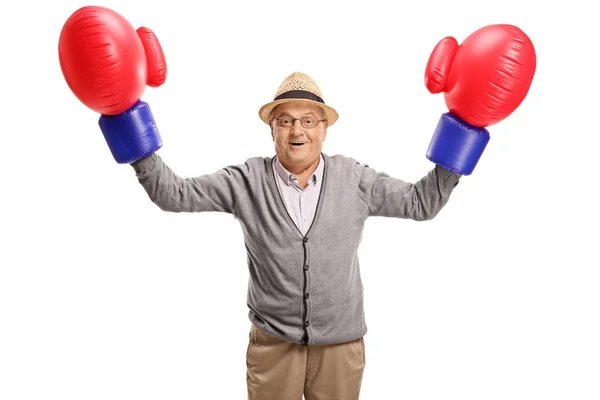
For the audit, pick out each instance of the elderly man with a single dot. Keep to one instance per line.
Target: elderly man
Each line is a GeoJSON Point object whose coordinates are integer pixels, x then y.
{"type": "Point", "coordinates": [302, 213]}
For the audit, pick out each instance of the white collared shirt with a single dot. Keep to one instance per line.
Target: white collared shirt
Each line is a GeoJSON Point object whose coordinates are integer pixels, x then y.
{"type": "Point", "coordinates": [300, 204]}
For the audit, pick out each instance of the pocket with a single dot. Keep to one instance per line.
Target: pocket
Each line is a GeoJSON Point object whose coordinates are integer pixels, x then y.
{"type": "Point", "coordinates": [364, 353]}
{"type": "Point", "coordinates": [250, 340]}
{"type": "Point", "coordinates": [252, 333]}
{"type": "Point", "coordinates": [260, 337]}
{"type": "Point", "coordinates": [248, 349]}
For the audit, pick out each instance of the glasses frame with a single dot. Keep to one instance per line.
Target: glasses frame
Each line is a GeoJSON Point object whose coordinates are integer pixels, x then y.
{"type": "Point", "coordinates": [294, 121]}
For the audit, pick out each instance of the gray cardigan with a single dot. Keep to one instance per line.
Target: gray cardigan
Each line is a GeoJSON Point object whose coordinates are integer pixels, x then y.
{"type": "Point", "coordinates": [304, 289]}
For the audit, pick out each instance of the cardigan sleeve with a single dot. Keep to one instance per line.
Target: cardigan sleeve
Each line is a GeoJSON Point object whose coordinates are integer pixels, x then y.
{"type": "Point", "coordinates": [220, 191]}
{"type": "Point", "coordinates": [387, 196]}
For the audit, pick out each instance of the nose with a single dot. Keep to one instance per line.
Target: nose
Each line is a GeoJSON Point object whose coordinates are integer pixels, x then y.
{"type": "Point", "coordinates": [296, 128]}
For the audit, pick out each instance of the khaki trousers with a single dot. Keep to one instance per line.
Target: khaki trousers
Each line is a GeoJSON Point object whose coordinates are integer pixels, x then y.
{"type": "Point", "coordinates": [280, 370]}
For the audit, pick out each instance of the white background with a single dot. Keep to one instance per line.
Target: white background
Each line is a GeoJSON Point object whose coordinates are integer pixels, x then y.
{"type": "Point", "coordinates": [104, 296]}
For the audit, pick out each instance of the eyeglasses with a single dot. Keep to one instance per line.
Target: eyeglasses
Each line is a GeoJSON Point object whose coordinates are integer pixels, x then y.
{"type": "Point", "coordinates": [285, 121]}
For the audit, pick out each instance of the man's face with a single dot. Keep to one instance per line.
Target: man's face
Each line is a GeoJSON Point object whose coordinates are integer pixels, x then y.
{"type": "Point", "coordinates": [298, 155]}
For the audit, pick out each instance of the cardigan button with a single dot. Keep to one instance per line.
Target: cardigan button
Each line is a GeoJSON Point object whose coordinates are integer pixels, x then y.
{"type": "Point", "coordinates": [306, 295]}
{"type": "Point", "coordinates": [305, 323]}
{"type": "Point", "coordinates": [305, 239]}
{"type": "Point", "coordinates": [306, 267]}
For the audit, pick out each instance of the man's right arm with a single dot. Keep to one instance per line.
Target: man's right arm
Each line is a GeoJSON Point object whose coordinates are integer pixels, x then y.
{"type": "Point", "coordinates": [219, 191]}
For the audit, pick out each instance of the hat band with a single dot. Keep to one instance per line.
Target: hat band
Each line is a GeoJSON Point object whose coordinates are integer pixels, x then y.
{"type": "Point", "coordinates": [299, 94]}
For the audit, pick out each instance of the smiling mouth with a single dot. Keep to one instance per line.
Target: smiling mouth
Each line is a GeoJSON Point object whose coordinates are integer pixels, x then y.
{"type": "Point", "coordinates": [297, 144]}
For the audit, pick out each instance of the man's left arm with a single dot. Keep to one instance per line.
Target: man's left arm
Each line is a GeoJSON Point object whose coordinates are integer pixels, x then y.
{"type": "Point", "coordinates": [392, 197]}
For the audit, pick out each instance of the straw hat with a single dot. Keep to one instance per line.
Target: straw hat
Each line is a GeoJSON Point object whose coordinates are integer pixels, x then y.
{"type": "Point", "coordinates": [298, 87]}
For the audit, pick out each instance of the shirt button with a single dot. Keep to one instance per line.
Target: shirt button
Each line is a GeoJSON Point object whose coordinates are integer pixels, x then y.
{"type": "Point", "coordinates": [305, 323]}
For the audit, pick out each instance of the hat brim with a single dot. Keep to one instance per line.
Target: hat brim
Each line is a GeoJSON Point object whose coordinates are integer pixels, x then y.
{"type": "Point", "coordinates": [265, 111]}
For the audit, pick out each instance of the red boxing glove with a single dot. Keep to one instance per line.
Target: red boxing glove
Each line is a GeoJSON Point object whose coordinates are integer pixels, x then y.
{"type": "Point", "coordinates": [485, 78]}
{"type": "Point", "coordinates": [106, 62]}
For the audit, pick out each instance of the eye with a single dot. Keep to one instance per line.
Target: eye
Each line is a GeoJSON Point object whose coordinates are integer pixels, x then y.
{"type": "Point", "coordinates": [285, 121]}
{"type": "Point", "coordinates": [309, 121]}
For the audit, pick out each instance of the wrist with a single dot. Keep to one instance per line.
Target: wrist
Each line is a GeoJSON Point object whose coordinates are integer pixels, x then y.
{"type": "Point", "coordinates": [145, 164]}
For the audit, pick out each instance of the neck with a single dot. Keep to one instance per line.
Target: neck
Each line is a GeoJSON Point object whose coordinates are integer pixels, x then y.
{"type": "Point", "coordinates": [301, 170]}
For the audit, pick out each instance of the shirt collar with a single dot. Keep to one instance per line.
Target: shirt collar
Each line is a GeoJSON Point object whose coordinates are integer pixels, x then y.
{"type": "Point", "coordinates": [287, 176]}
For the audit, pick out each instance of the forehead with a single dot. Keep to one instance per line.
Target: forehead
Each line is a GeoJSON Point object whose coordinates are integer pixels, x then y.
{"type": "Point", "coordinates": [297, 108]}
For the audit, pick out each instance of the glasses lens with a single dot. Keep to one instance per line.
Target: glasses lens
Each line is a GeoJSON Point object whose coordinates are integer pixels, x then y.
{"type": "Point", "coordinates": [309, 122]}
{"type": "Point", "coordinates": [285, 121]}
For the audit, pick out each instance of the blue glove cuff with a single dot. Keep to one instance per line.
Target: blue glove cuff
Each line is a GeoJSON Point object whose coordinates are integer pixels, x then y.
{"type": "Point", "coordinates": [131, 135]}
{"type": "Point", "coordinates": [457, 145]}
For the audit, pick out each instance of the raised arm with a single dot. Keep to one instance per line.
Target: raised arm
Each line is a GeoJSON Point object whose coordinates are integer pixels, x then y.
{"type": "Point", "coordinates": [391, 197]}
{"type": "Point", "coordinates": [220, 191]}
